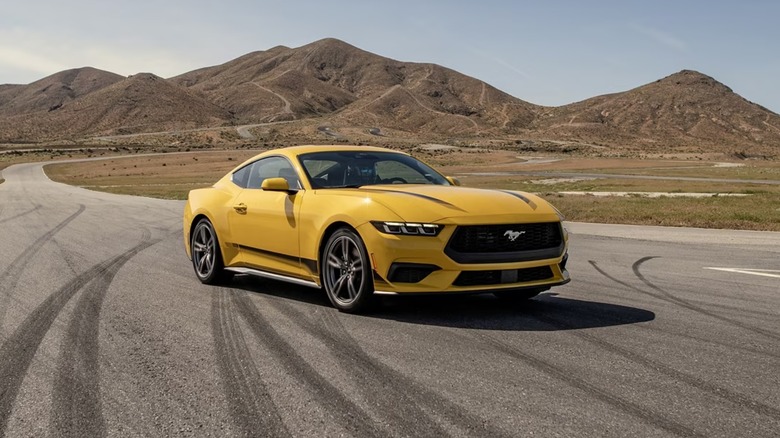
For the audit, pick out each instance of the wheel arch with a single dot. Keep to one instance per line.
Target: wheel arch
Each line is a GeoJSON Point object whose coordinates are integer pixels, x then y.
{"type": "Point", "coordinates": [329, 230]}
{"type": "Point", "coordinates": [197, 218]}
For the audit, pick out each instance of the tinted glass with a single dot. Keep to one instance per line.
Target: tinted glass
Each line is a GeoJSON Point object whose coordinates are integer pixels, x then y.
{"type": "Point", "coordinates": [252, 175]}
{"type": "Point", "coordinates": [355, 169]}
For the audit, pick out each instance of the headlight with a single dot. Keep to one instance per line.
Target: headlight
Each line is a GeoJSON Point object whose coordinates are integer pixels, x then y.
{"type": "Point", "coordinates": [407, 228]}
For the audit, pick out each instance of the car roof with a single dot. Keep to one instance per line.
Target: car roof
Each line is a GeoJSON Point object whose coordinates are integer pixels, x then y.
{"type": "Point", "coordinates": [305, 149]}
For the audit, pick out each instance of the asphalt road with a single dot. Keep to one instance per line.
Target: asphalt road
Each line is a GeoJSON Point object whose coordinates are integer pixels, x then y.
{"type": "Point", "coordinates": [105, 331]}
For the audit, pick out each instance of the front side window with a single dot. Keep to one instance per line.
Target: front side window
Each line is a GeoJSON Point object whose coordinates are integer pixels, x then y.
{"type": "Point", "coordinates": [252, 175]}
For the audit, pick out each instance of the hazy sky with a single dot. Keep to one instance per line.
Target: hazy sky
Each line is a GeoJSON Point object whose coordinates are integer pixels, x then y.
{"type": "Point", "coordinates": [546, 52]}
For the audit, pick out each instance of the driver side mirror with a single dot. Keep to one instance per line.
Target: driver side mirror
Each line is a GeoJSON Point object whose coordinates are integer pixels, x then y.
{"type": "Point", "coordinates": [454, 181]}
{"type": "Point", "coordinates": [276, 185]}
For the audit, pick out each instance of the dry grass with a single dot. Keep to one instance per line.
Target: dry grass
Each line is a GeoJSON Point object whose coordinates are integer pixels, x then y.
{"type": "Point", "coordinates": [758, 212]}
{"type": "Point", "coordinates": [167, 176]}
{"type": "Point", "coordinates": [171, 176]}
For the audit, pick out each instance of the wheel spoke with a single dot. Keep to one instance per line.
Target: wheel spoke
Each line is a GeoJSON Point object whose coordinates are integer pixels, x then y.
{"type": "Point", "coordinates": [339, 285]}
{"type": "Point", "coordinates": [345, 249]}
{"type": "Point", "coordinates": [351, 290]}
{"type": "Point", "coordinates": [201, 265]}
{"type": "Point", "coordinates": [334, 261]}
{"type": "Point", "coordinates": [198, 247]}
{"type": "Point", "coordinates": [203, 237]}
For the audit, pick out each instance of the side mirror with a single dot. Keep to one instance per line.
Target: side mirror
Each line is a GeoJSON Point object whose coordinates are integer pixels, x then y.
{"type": "Point", "coordinates": [454, 181]}
{"type": "Point", "coordinates": [276, 185]}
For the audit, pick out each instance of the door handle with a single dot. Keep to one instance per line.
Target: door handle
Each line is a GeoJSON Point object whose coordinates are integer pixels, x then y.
{"type": "Point", "coordinates": [240, 208]}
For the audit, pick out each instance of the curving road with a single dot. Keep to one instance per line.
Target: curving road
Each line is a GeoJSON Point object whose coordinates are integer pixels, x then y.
{"type": "Point", "coordinates": [105, 331]}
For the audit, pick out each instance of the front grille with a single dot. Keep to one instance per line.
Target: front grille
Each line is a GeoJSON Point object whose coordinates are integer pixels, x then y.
{"type": "Point", "coordinates": [506, 276]}
{"type": "Point", "coordinates": [505, 243]}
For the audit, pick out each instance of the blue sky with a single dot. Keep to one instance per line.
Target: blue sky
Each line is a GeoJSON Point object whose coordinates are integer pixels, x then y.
{"type": "Point", "coordinates": [546, 52]}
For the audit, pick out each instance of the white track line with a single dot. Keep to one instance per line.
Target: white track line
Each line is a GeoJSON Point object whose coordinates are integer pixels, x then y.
{"type": "Point", "coordinates": [762, 272]}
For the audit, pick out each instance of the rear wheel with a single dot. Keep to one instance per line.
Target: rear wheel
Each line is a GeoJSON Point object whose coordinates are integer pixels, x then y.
{"type": "Point", "coordinates": [346, 272]}
{"type": "Point", "coordinates": [206, 254]}
{"type": "Point", "coordinates": [519, 296]}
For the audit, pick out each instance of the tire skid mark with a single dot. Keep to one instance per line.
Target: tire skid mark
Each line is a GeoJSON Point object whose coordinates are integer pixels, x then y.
{"type": "Point", "coordinates": [24, 213]}
{"type": "Point", "coordinates": [669, 298]}
{"type": "Point", "coordinates": [617, 318]}
{"type": "Point", "coordinates": [635, 267]}
{"type": "Point", "coordinates": [346, 413]}
{"type": "Point", "coordinates": [701, 384]}
{"type": "Point", "coordinates": [10, 277]}
{"type": "Point", "coordinates": [17, 353]}
{"type": "Point", "coordinates": [398, 397]}
{"type": "Point", "coordinates": [77, 409]}
{"type": "Point", "coordinates": [251, 407]}
{"type": "Point", "coordinates": [623, 320]}
{"type": "Point", "coordinates": [643, 414]}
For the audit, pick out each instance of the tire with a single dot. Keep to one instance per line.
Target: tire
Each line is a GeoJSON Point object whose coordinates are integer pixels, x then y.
{"type": "Point", "coordinates": [346, 272]}
{"type": "Point", "coordinates": [207, 255]}
{"type": "Point", "coordinates": [519, 296]}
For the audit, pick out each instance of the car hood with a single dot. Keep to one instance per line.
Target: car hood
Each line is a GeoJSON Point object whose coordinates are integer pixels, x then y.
{"type": "Point", "coordinates": [433, 203]}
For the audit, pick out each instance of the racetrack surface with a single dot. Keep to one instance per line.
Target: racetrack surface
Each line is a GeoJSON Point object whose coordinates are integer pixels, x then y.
{"type": "Point", "coordinates": [105, 331]}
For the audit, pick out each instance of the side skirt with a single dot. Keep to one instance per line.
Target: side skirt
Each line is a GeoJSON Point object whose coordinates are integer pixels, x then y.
{"type": "Point", "coordinates": [272, 276]}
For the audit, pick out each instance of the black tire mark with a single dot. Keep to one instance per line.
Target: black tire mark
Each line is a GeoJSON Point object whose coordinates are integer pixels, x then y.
{"type": "Point", "coordinates": [24, 213]}
{"type": "Point", "coordinates": [701, 384]}
{"type": "Point", "coordinates": [251, 407]}
{"type": "Point", "coordinates": [349, 415]}
{"type": "Point", "coordinates": [397, 396]}
{"type": "Point", "coordinates": [665, 296]}
{"type": "Point", "coordinates": [10, 277]}
{"type": "Point", "coordinates": [625, 321]}
{"type": "Point", "coordinates": [626, 406]}
{"type": "Point", "coordinates": [77, 409]}
{"type": "Point", "coordinates": [635, 267]}
{"type": "Point", "coordinates": [18, 351]}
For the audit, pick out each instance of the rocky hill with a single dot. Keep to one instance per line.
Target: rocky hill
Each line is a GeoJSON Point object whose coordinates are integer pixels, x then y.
{"type": "Point", "coordinates": [685, 109]}
{"type": "Point", "coordinates": [330, 82]}
{"type": "Point", "coordinates": [52, 92]}
{"type": "Point", "coordinates": [139, 103]}
{"type": "Point", "coordinates": [330, 76]}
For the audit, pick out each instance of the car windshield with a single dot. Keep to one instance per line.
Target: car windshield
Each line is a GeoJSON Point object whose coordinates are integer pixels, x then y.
{"type": "Point", "coordinates": [360, 168]}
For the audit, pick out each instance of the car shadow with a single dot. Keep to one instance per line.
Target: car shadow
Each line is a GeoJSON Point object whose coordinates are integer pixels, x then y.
{"type": "Point", "coordinates": [546, 312]}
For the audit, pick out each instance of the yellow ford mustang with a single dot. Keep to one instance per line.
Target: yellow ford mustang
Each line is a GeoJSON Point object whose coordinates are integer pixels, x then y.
{"type": "Point", "coordinates": [361, 221]}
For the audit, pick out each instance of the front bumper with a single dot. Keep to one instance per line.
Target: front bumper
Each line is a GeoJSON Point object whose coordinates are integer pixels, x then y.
{"type": "Point", "coordinates": [420, 264]}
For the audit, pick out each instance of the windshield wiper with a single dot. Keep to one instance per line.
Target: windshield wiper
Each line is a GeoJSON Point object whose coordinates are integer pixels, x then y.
{"type": "Point", "coordinates": [347, 186]}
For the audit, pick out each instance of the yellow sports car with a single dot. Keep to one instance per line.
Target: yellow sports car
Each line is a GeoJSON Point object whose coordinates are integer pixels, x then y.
{"type": "Point", "coordinates": [362, 221]}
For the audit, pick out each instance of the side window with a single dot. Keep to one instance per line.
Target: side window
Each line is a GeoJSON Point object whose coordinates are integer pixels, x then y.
{"type": "Point", "coordinates": [241, 176]}
{"type": "Point", "coordinates": [272, 167]}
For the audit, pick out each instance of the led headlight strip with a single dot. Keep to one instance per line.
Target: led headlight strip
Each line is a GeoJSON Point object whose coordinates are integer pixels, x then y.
{"type": "Point", "coordinates": [408, 228]}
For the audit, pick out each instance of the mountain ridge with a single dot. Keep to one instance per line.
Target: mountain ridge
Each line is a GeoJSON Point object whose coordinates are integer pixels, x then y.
{"type": "Point", "coordinates": [332, 82]}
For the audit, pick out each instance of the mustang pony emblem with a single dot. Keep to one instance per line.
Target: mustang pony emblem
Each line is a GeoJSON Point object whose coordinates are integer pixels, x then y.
{"type": "Point", "coordinates": [513, 235]}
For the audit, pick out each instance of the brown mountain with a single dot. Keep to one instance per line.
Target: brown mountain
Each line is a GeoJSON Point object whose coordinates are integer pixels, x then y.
{"type": "Point", "coordinates": [330, 76]}
{"type": "Point", "coordinates": [53, 91]}
{"type": "Point", "coordinates": [332, 83]}
{"type": "Point", "coordinates": [139, 103]}
{"type": "Point", "coordinates": [684, 109]}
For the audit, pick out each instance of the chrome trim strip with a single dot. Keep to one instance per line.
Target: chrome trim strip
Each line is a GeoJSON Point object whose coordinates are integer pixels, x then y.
{"type": "Point", "coordinates": [272, 276]}
{"type": "Point", "coordinates": [384, 292]}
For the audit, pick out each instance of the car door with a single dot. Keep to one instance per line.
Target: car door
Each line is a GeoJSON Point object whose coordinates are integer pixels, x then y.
{"type": "Point", "coordinates": [264, 223]}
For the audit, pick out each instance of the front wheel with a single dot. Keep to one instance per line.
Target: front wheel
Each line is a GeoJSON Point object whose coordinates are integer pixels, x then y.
{"type": "Point", "coordinates": [206, 254]}
{"type": "Point", "coordinates": [346, 272]}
